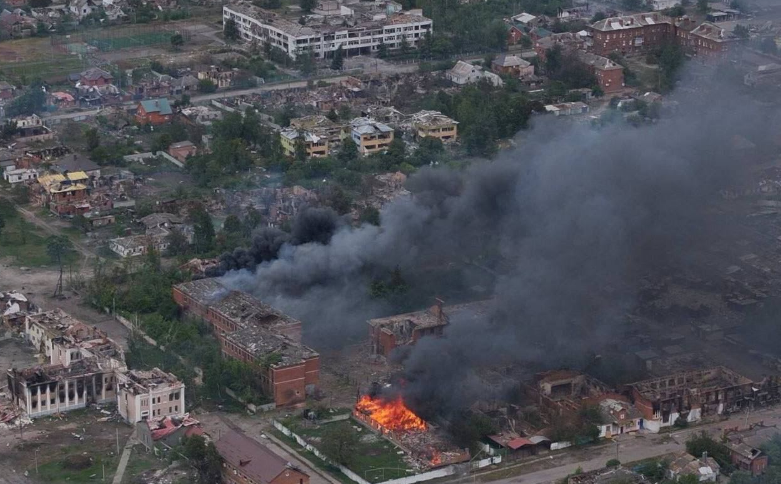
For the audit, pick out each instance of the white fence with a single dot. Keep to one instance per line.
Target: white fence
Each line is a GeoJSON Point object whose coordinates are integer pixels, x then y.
{"type": "Point", "coordinates": [426, 476]}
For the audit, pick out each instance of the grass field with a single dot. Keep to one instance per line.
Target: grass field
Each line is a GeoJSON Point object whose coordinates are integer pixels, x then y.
{"type": "Point", "coordinates": [130, 41]}
{"type": "Point", "coordinates": [375, 459]}
{"type": "Point", "coordinates": [24, 242]}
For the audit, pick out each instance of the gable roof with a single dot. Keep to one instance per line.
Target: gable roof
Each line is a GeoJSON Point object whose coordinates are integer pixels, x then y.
{"type": "Point", "coordinates": [254, 459]}
{"type": "Point", "coordinates": [95, 73]}
{"type": "Point", "coordinates": [509, 60]}
{"type": "Point", "coordinates": [160, 106]}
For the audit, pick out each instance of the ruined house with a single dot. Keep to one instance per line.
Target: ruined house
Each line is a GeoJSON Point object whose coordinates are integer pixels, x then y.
{"type": "Point", "coordinates": [563, 392]}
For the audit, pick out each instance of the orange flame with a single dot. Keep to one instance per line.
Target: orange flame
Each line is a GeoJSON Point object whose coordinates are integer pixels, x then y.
{"type": "Point", "coordinates": [391, 414]}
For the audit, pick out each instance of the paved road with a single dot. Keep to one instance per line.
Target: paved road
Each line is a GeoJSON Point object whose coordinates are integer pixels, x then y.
{"type": "Point", "coordinates": [630, 449]}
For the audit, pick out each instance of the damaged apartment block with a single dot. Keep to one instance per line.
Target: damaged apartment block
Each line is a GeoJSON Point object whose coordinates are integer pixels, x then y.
{"type": "Point", "coordinates": [692, 395]}
{"type": "Point", "coordinates": [249, 330]}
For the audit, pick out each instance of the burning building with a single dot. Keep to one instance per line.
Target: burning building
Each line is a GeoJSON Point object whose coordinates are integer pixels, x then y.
{"type": "Point", "coordinates": [394, 420]}
{"type": "Point", "coordinates": [563, 392]}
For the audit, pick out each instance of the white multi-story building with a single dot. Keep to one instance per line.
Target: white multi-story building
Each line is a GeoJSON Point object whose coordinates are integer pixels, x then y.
{"type": "Point", "coordinates": [359, 30]}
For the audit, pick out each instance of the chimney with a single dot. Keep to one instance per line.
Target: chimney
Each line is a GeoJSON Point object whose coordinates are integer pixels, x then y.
{"type": "Point", "coordinates": [704, 458]}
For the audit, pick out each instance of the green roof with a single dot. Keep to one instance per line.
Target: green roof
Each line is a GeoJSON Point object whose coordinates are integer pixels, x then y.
{"type": "Point", "coordinates": [160, 106]}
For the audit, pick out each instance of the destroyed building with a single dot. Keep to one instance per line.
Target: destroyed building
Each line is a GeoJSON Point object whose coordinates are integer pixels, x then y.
{"type": "Point", "coordinates": [44, 390]}
{"type": "Point", "coordinates": [153, 393]}
{"type": "Point", "coordinates": [386, 334]}
{"type": "Point", "coordinates": [254, 332]}
{"type": "Point", "coordinates": [14, 308]}
{"type": "Point", "coordinates": [692, 395]}
{"type": "Point", "coordinates": [168, 431]}
{"type": "Point", "coordinates": [562, 393]}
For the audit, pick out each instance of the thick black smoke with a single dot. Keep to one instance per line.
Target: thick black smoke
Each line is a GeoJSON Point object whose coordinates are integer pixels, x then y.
{"type": "Point", "coordinates": [557, 230]}
{"type": "Point", "coordinates": [310, 225]}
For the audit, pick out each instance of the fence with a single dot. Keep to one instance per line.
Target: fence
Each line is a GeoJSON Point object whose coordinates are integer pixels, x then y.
{"type": "Point", "coordinates": [425, 476]}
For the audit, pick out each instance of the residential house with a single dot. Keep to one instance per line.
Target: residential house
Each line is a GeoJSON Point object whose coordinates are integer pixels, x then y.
{"type": "Point", "coordinates": [711, 40]}
{"type": "Point", "coordinates": [463, 73]}
{"type": "Point", "coordinates": [15, 26]}
{"type": "Point", "coordinates": [149, 394]}
{"type": "Point", "coordinates": [135, 245]}
{"type": "Point", "coordinates": [514, 34]}
{"type": "Point", "coordinates": [610, 76]}
{"type": "Point", "coordinates": [619, 416]}
{"type": "Point", "coordinates": [748, 458]}
{"type": "Point", "coordinates": [512, 65]}
{"type": "Point", "coordinates": [95, 76]}
{"type": "Point", "coordinates": [6, 91]}
{"type": "Point", "coordinates": [567, 109]}
{"type": "Point", "coordinates": [526, 19]}
{"type": "Point", "coordinates": [314, 145]}
{"type": "Point", "coordinates": [246, 461]}
{"type": "Point", "coordinates": [433, 124]}
{"type": "Point", "coordinates": [75, 162]}
{"type": "Point", "coordinates": [161, 221]}
{"type": "Point", "coordinates": [705, 469]}
{"type": "Point", "coordinates": [567, 40]}
{"type": "Point", "coordinates": [322, 127]}
{"type": "Point", "coordinates": [182, 150]}
{"type": "Point", "coordinates": [82, 8]}
{"type": "Point", "coordinates": [222, 78]}
{"type": "Point", "coordinates": [201, 114]}
{"type": "Point", "coordinates": [370, 136]}
{"type": "Point", "coordinates": [154, 111]}
{"type": "Point", "coordinates": [168, 430]}
{"type": "Point", "coordinates": [19, 175]}
{"type": "Point", "coordinates": [64, 194]}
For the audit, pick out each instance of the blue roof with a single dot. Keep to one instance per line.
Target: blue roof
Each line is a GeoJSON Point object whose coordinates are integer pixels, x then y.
{"type": "Point", "coordinates": [160, 106]}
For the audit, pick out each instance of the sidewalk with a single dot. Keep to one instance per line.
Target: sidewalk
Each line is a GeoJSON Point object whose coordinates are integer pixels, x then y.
{"type": "Point", "coordinates": [131, 441]}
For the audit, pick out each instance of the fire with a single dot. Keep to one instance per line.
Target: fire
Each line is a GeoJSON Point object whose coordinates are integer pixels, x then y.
{"type": "Point", "coordinates": [390, 414]}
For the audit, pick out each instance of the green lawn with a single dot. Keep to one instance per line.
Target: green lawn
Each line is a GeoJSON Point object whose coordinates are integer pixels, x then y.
{"type": "Point", "coordinates": [75, 468]}
{"type": "Point", "coordinates": [25, 242]}
{"type": "Point", "coordinates": [373, 453]}
{"type": "Point", "coordinates": [141, 461]}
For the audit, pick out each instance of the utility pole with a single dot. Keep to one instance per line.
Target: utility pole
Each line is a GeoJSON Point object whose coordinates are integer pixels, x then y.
{"type": "Point", "coordinates": [117, 442]}
{"type": "Point", "coordinates": [36, 461]}
{"type": "Point", "coordinates": [617, 451]}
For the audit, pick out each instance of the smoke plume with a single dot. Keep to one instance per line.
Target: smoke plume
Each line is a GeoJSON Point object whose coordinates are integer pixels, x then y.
{"type": "Point", "coordinates": [556, 232]}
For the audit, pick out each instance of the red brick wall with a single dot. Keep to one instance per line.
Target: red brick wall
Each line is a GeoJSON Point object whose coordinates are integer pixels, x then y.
{"type": "Point", "coordinates": [624, 40]}
{"type": "Point", "coordinates": [291, 476]}
{"type": "Point", "coordinates": [312, 371]}
{"type": "Point", "coordinates": [610, 80]}
{"type": "Point", "coordinates": [644, 405]}
{"type": "Point", "coordinates": [288, 385]}
{"type": "Point", "coordinates": [514, 36]}
{"type": "Point", "coordinates": [151, 118]}
{"type": "Point", "coordinates": [97, 82]}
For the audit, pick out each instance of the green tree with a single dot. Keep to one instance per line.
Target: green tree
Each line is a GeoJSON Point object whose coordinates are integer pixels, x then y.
{"type": "Point", "coordinates": [768, 46]}
{"type": "Point", "coordinates": [2, 224]}
{"type": "Point", "coordinates": [338, 61]}
{"type": "Point", "coordinates": [177, 41]}
{"type": "Point", "coordinates": [306, 63]}
{"type": "Point", "coordinates": [203, 457]}
{"type": "Point", "coordinates": [702, 6]}
{"type": "Point", "coordinates": [307, 5]}
{"type": "Point", "coordinates": [177, 242]}
{"type": "Point", "coordinates": [370, 215]}
{"type": "Point", "coordinates": [8, 130]}
{"type": "Point", "coordinates": [348, 152]}
{"type": "Point", "coordinates": [741, 477]}
{"type": "Point", "coordinates": [688, 479]}
{"type": "Point", "coordinates": [340, 443]}
{"type": "Point", "coordinates": [613, 463]}
{"type": "Point", "coordinates": [404, 45]}
{"type": "Point", "coordinates": [382, 50]}
{"type": "Point", "coordinates": [232, 224]}
{"type": "Point", "coordinates": [92, 137]}
{"type": "Point", "coordinates": [701, 442]}
{"type": "Point", "coordinates": [30, 102]}
{"type": "Point", "coordinates": [203, 231]}
{"type": "Point", "coordinates": [206, 86]}
{"type": "Point", "coordinates": [741, 31]}
{"type": "Point", "coordinates": [230, 30]}
{"type": "Point", "coordinates": [599, 15]}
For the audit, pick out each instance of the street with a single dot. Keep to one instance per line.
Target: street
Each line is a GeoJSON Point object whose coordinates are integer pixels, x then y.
{"type": "Point", "coordinates": [630, 449]}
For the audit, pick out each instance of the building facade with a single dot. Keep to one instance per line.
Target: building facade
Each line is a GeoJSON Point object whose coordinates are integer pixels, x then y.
{"type": "Point", "coordinates": [149, 394]}
{"type": "Point", "coordinates": [370, 136]}
{"type": "Point", "coordinates": [361, 32]}
{"type": "Point", "coordinates": [632, 34]}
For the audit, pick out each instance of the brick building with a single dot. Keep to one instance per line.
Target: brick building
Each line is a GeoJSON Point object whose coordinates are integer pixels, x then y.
{"type": "Point", "coordinates": [406, 329]}
{"type": "Point", "coordinates": [632, 34]}
{"type": "Point", "coordinates": [690, 395]}
{"type": "Point", "coordinates": [253, 332]}
{"type": "Point", "coordinates": [747, 458]}
{"type": "Point", "coordinates": [247, 461]}
{"type": "Point", "coordinates": [95, 76]}
{"type": "Point", "coordinates": [710, 40]}
{"type": "Point", "coordinates": [154, 111]}
{"type": "Point", "coordinates": [610, 76]}
{"type": "Point", "coordinates": [64, 194]}
{"type": "Point", "coordinates": [149, 394]}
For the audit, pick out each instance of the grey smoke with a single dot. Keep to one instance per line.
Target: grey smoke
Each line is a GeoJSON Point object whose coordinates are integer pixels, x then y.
{"type": "Point", "coordinates": [557, 230]}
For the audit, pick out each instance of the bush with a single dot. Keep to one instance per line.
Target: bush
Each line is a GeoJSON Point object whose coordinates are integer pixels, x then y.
{"type": "Point", "coordinates": [613, 463]}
